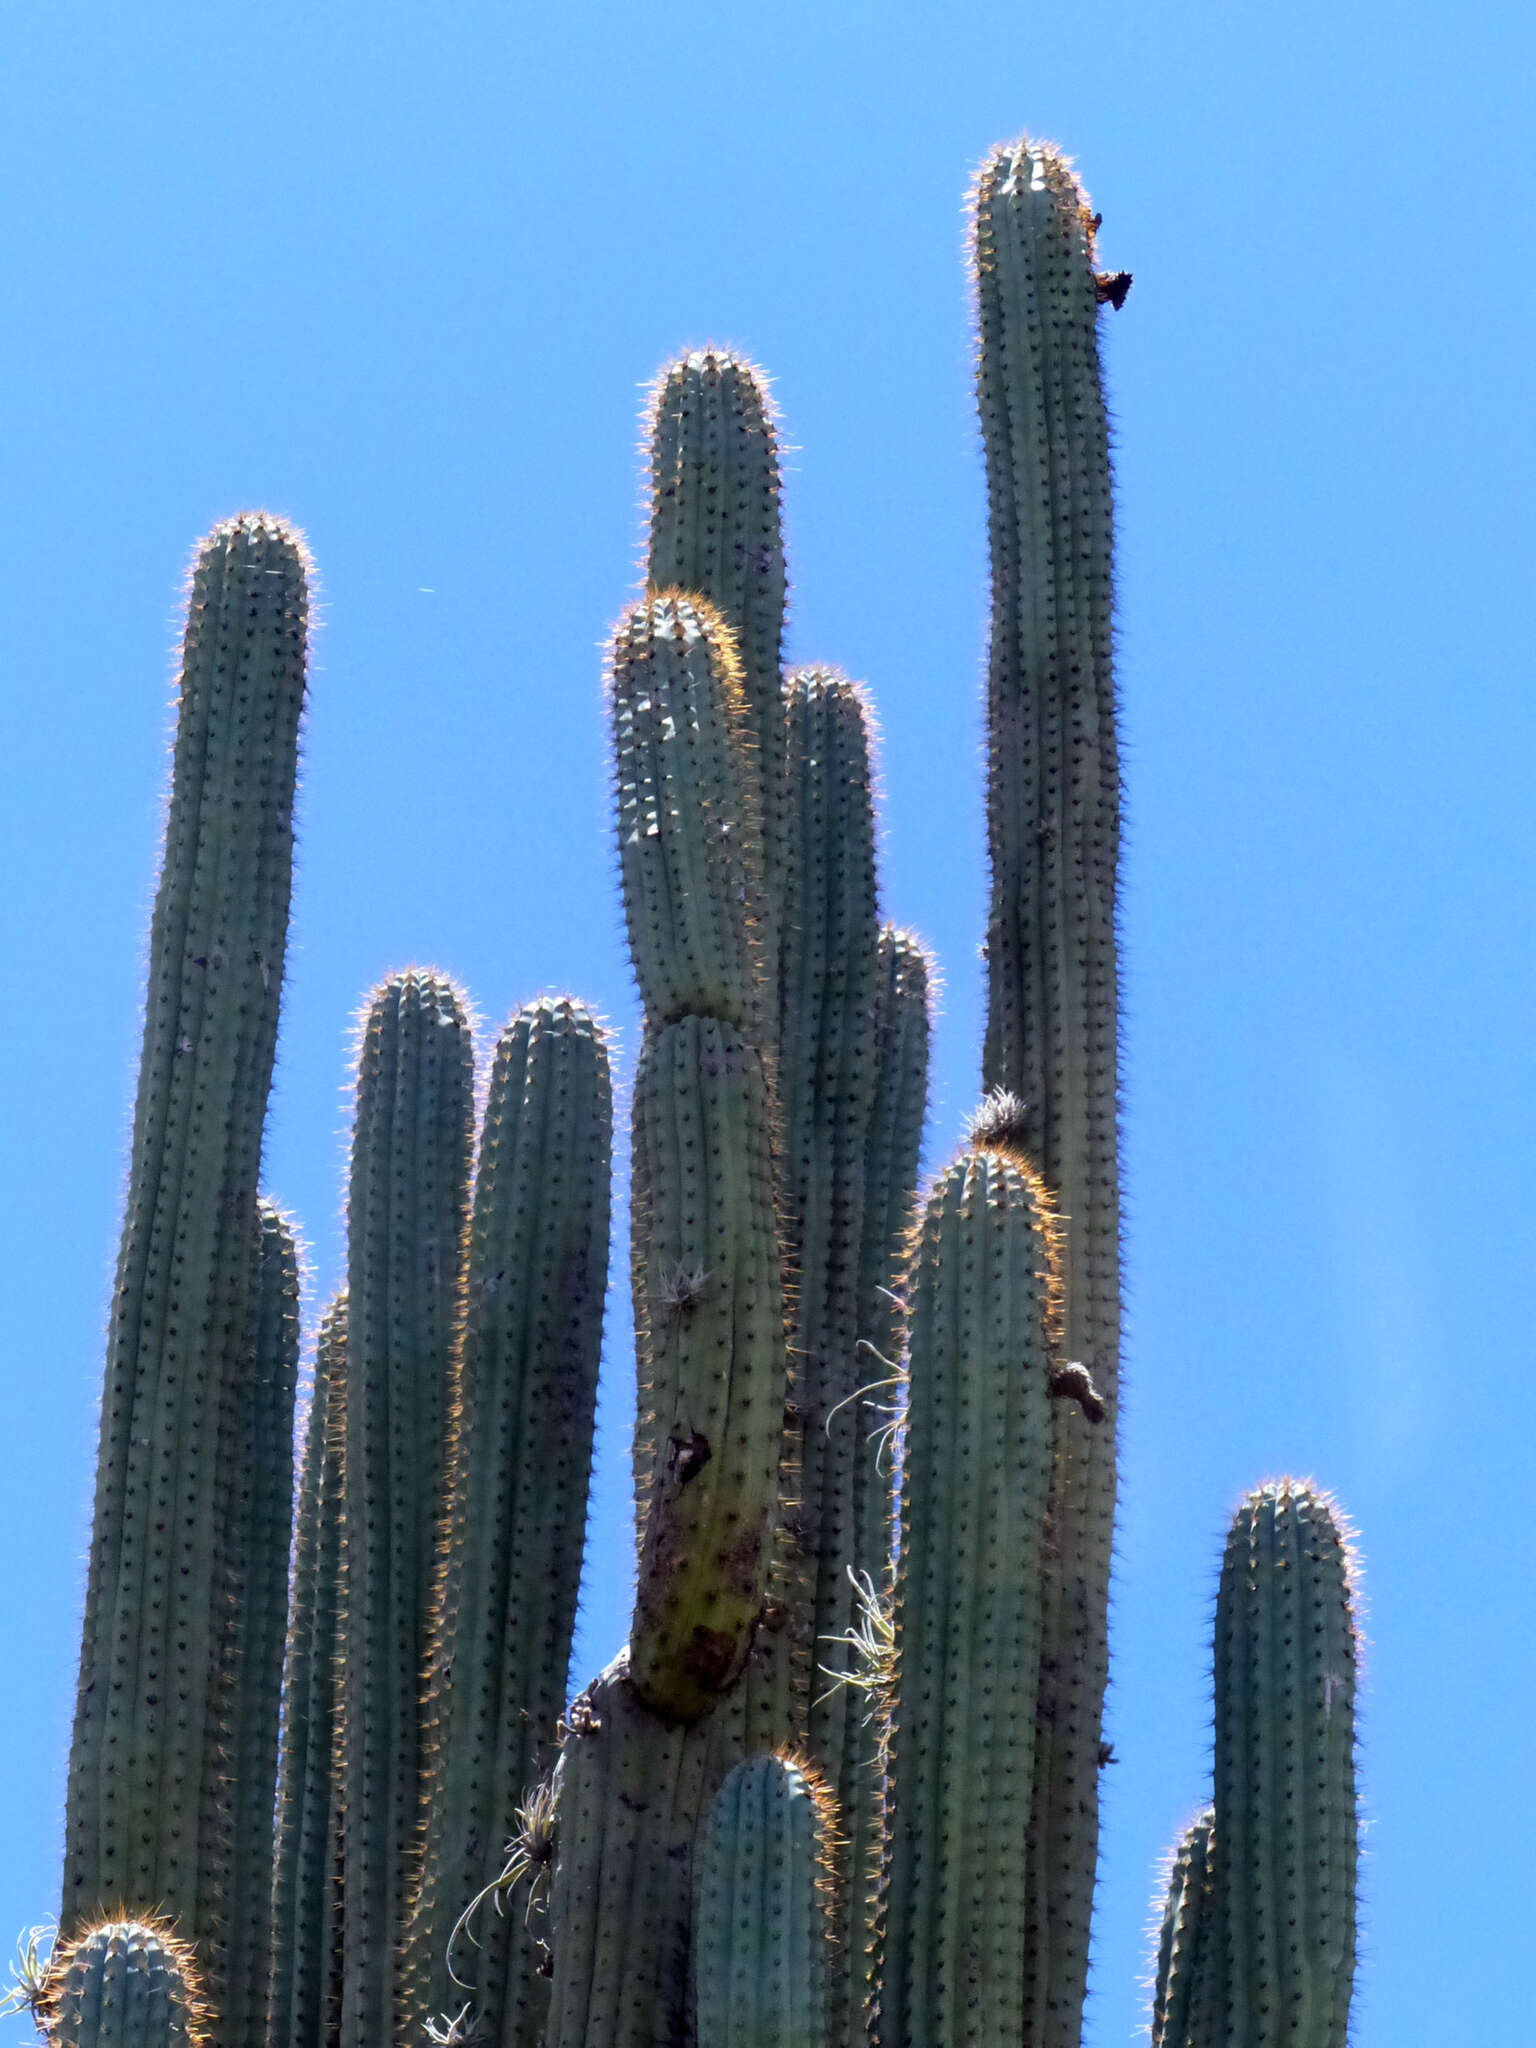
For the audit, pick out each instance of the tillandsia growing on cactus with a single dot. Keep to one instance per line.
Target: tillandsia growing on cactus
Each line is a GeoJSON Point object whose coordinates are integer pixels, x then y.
{"type": "Point", "coordinates": [840, 1786]}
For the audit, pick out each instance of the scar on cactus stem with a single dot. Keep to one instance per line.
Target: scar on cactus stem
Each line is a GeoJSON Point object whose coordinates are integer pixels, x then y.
{"type": "Point", "coordinates": [1074, 1382]}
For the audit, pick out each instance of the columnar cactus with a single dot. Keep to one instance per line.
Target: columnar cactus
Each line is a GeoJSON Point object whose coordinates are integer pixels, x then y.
{"type": "Point", "coordinates": [760, 1928]}
{"type": "Point", "coordinates": [125, 1984]}
{"type": "Point", "coordinates": [1053, 828]}
{"type": "Point", "coordinates": [150, 1817]}
{"type": "Point", "coordinates": [454, 1861]}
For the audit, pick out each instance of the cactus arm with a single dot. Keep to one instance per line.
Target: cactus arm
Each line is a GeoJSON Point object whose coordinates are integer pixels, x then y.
{"type": "Point", "coordinates": [975, 1472]}
{"type": "Point", "coordinates": [125, 1984]}
{"type": "Point", "coordinates": [629, 1790]}
{"type": "Point", "coordinates": [1053, 836]}
{"type": "Point", "coordinates": [715, 529]}
{"type": "Point", "coordinates": [690, 834]}
{"type": "Point", "coordinates": [1182, 1935]}
{"type": "Point", "coordinates": [407, 1211]}
{"type": "Point", "coordinates": [258, 1483]}
{"type": "Point", "coordinates": [525, 1391]}
{"type": "Point", "coordinates": [902, 1028]}
{"type": "Point", "coordinates": [714, 1314]}
{"type": "Point", "coordinates": [760, 1943]}
{"type": "Point", "coordinates": [144, 1746]}
{"type": "Point", "coordinates": [306, 1942]}
{"type": "Point", "coordinates": [1281, 1949]}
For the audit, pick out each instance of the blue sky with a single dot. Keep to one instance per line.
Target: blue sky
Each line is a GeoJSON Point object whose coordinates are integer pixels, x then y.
{"type": "Point", "coordinates": [401, 272]}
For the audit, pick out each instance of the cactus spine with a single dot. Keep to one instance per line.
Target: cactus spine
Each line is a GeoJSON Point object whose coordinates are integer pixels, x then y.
{"type": "Point", "coordinates": [149, 1816]}
{"type": "Point", "coordinates": [1052, 979]}
{"type": "Point", "coordinates": [524, 1399]}
{"type": "Point", "coordinates": [125, 1984]}
{"type": "Point", "coordinates": [406, 1213]}
{"type": "Point", "coordinates": [761, 1929]}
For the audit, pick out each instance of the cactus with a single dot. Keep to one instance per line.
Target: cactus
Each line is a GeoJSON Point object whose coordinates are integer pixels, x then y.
{"type": "Point", "coordinates": [760, 1925]}
{"type": "Point", "coordinates": [150, 1810]}
{"type": "Point", "coordinates": [406, 1216]}
{"type": "Point", "coordinates": [1268, 1955]}
{"type": "Point", "coordinates": [984, 1288]}
{"type": "Point", "coordinates": [304, 2004]}
{"type": "Point", "coordinates": [124, 1984]}
{"type": "Point", "coordinates": [520, 1456]}
{"type": "Point", "coordinates": [453, 1862]}
{"type": "Point", "coordinates": [1052, 982]}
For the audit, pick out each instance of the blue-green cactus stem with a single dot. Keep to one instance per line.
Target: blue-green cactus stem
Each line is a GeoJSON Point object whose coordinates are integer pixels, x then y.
{"type": "Point", "coordinates": [1278, 1964]}
{"type": "Point", "coordinates": [305, 1996]}
{"type": "Point", "coordinates": [256, 1456]}
{"type": "Point", "coordinates": [976, 1465]}
{"type": "Point", "coordinates": [125, 1984]}
{"type": "Point", "coordinates": [902, 1028]}
{"type": "Point", "coordinates": [1182, 1934]}
{"type": "Point", "coordinates": [829, 984]}
{"type": "Point", "coordinates": [712, 1311]}
{"type": "Point", "coordinates": [690, 832]}
{"type": "Point", "coordinates": [1053, 820]}
{"type": "Point", "coordinates": [407, 1211]}
{"type": "Point", "coordinates": [146, 1765]}
{"type": "Point", "coordinates": [629, 1793]}
{"type": "Point", "coordinates": [520, 1457]}
{"type": "Point", "coordinates": [761, 1939]}
{"type": "Point", "coordinates": [715, 530]}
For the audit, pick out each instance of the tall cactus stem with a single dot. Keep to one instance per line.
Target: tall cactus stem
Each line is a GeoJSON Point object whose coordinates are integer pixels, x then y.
{"type": "Point", "coordinates": [125, 1984]}
{"type": "Point", "coordinates": [976, 1464]}
{"type": "Point", "coordinates": [406, 1216]}
{"type": "Point", "coordinates": [520, 1457]}
{"type": "Point", "coordinates": [1053, 837]}
{"type": "Point", "coordinates": [304, 2007]}
{"type": "Point", "coordinates": [147, 1823]}
{"type": "Point", "coordinates": [1277, 1966]}
{"type": "Point", "coordinates": [629, 1792]}
{"type": "Point", "coordinates": [715, 529]}
{"type": "Point", "coordinates": [713, 1312]}
{"type": "Point", "coordinates": [892, 1152]}
{"type": "Point", "coordinates": [761, 1945]}
{"type": "Point", "coordinates": [257, 1460]}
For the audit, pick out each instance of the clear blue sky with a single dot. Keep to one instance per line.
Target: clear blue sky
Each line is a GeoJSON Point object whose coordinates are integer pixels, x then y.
{"type": "Point", "coordinates": [401, 270]}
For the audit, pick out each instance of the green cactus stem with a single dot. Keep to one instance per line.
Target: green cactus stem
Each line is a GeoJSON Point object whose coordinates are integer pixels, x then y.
{"type": "Point", "coordinates": [305, 1994]}
{"type": "Point", "coordinates": [406, 1217]}
{"type": "Point", "coordinates": [829, 982]}
{"type": "Point", "coordinates": [1053, 836]}
{"type": "Point", "coordinates": [713, 1313]}
{"type": "Point", "coordinates": [761, 1931]}
{"type": "Point", "coordinates": [525, 1393]}
{"type": "Point", "coordinates": [1277, 1963]}
{"type": "Point", "coordinates": [629, 1792]}
{"type": "Point", "coordinates": [124, 1984]}
{"type": "Point", "coordinates": [1182, 1934]}
{"type": "Point", "coordinates": [690, 834]}
{"type": "Point", "coordinates": [146, 1771]}
{"type": "Point", "coordinates": [257, 1456]}
{"type": "Point", "coordinates": [976, 1465]}
{"type": "Point", "coordinates": [892, 1151]}
{"type": "Point", "coordinates": [715, 530]}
